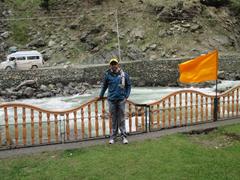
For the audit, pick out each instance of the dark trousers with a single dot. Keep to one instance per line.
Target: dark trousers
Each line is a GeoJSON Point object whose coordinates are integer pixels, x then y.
{"type": "Point", "coordinates": [117, 111]}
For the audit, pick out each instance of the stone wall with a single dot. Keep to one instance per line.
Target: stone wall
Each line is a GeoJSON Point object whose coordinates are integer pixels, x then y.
{"type": "Point", "coordinates": [142, 73]}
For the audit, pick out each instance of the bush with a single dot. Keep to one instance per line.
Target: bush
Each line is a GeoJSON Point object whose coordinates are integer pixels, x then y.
{"type": "Point", "coordinates": [19, 31]}
{"type": "Point", "coordinates": [215, 3]}
{"type": "Point", "coordinates": [45, 4]}
{"type": "Point", "coordinates": [235, 6]}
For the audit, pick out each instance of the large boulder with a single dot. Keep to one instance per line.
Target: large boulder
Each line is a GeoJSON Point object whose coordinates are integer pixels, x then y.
{"type": "Point", "coordinates": [12, 49]}
{"type": "Point", "coordinates": [28, 92]}
{"type": "Point", "coordinates": [43, 88]}
{"type": "Point", "coordinates": [137, 33]}
{"type": "Point", "coordinates": [5, 35]}
{"type": "Point", "coordinates": [37, 43]}
{"type": "Point", "coordinates": [178, 10]}
{"type": "Point", "coordinates": [134, 53]}
{"type": "Point", "coordinates": [31, 83]}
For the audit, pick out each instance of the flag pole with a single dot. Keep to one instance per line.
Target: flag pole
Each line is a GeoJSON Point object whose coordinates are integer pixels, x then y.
{"type": "Point", "coordinates": [215, 105]}
{"type": "Point", "coordinates": [215, 118]}
{"type": "Point", "coordinates": [118, 39]}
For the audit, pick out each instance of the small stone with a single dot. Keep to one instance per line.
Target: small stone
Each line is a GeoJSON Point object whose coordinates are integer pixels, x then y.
{"type": "Point", "coordinates": [186, 25]}
{"type": "Point", "coordinates": [5, 35]}
{"type": "Point", "coordinates": [51, 43]}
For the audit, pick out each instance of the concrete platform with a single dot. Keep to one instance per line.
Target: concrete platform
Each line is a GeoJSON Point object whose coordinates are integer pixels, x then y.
{"type": "Point", "coordinates": [132, 138]}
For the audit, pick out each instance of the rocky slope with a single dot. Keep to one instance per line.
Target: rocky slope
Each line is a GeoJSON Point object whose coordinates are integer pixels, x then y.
{"type": "Point", "coordinates": [74, 31]}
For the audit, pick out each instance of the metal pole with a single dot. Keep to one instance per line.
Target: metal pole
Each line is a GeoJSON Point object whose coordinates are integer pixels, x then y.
{"type": "Point", "coordinates": [149, 118]}
{"type": "Point", "coordinates": [215, 116]}
{"type": "Point", "coordinates": [216, 98]}
{"type": "Point", "coordinates": [119, 48]}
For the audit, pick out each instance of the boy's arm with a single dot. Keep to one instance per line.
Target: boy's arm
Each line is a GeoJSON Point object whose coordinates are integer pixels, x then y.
{"type": "Point", "coordinates": [104, 86]}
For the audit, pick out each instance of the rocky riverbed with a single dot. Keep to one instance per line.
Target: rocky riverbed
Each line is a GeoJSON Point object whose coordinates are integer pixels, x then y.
{"type": "Point", "coordinates": [31, 89]}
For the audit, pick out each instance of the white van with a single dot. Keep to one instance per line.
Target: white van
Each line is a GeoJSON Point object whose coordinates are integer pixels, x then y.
{"type": "Point", "coordinates": [23, 60]}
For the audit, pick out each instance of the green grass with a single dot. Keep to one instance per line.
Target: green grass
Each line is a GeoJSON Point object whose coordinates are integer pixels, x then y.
{"type": "Point", "coordinates": [19, 31]}
{"type": "Point", "coordinates": [171, 157]}
{"type": "Point", "coordinates": [230, 129]}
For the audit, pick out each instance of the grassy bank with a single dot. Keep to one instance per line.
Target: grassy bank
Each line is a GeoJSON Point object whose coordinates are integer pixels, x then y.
{"type": "Point", "coordinates": [215, 155]}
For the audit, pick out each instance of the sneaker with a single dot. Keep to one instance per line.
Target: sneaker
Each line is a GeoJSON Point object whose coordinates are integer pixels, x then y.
{"type": "Point", "coordinates": [111, 141]}
{"type": "Point", "coordinates": [124, 140]}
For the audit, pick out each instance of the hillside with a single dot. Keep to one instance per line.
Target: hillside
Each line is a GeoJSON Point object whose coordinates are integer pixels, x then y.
{"type": "Point", "coordinates": [85, 31]}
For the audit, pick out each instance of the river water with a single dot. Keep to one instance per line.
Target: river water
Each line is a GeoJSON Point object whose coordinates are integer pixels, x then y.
{"type": "Point", "coordinates": [138, 95]}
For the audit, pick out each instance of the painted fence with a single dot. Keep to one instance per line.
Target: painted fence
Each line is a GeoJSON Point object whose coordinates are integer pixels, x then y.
{"type": "Point", "coordinates": [27, 125]}
{"type": "Point", "coordinates": [189, 107]}
{"type": "Point", "coordinates": [23, 125]}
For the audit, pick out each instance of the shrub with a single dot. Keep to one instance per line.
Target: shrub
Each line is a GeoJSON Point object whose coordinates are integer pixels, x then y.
{"type": "Point", "coordinates": [19, 31]}
{"type": "Point", "coordinates": [235, 6]}
{"type": "Point", "coordinates": [215, 3]}
{"type": "Point", "coordinates": [45, 4]}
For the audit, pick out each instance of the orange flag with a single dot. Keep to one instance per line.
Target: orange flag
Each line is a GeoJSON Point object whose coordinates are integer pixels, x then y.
{"type": "Point", "coordinates": [200, 69]}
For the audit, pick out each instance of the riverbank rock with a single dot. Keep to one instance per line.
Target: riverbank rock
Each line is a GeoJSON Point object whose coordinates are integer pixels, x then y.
{"type": "Point", "coordinates": [26, 83]}
{"type": "Point", "coordinates": [28, 92]}
{"type": "Point", "coordinates": [30, 89]}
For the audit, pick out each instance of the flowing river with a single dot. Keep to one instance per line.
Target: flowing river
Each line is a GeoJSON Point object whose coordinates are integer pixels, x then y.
{"type": "Point", "coordinates": [138, 95]}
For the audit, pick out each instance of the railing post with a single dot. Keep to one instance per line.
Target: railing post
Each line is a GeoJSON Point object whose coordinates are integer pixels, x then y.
{"type": "Point", "coordinates": [147, 118]}
{"type": "Point", "coordinates": [215, 111]}
{"type": "Point", "coordinates": [62, 131]}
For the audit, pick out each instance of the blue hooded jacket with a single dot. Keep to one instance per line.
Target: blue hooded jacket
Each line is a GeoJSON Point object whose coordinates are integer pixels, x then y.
{"type": "Point", "coordinates": [113, 82]}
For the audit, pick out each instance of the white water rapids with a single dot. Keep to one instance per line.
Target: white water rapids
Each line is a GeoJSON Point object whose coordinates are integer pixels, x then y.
{"type": "Point", "coordinates": [138, 95]}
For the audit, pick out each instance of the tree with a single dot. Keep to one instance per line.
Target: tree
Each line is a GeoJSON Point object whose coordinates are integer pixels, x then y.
{"type": "Point", "coordinates": [45, 4]}
{"type": "Point", "coordinates": [216, 3]}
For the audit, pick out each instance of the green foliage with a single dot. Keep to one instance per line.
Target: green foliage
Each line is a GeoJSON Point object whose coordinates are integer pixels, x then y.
{"type": "Point", "coordinates": [30, 5]}
{"type": "Point", "coordinates": [19, 31]}
{"type": "Point", "coordinates": [111, 45]}
{"type": "Point", "coordinates": [216, 3]}
{"type": "Point", "coordinates": [45, 4]}
{"type": "Point", "coordinates": [24, 4]}
{"type": "Point", "coordinates": [98, 2]}
{"type": "Point", "coordinates": [235, 6]}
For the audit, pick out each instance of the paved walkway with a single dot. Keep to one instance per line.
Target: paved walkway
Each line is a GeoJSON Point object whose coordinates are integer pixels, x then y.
{"type": "Point", "coordinates": [139, 137]}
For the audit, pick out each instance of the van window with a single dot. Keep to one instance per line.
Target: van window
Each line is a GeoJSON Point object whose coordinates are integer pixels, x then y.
{"type": "Point", "coordinates": [33, 57]}
{"type": "Point", "coordinates": [12, 58]}
{"type": "Point", "coordinates": [21, 58]}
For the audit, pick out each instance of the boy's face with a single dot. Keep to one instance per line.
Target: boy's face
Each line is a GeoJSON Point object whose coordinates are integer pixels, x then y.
{"type": "Point", "coordinates": [114, 66]}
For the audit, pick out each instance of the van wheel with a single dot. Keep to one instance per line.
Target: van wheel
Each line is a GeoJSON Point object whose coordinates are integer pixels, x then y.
{"type": "Point", "coordinates": [34, 67]}
{"type": "Point", "coordinates": [8, 68]}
